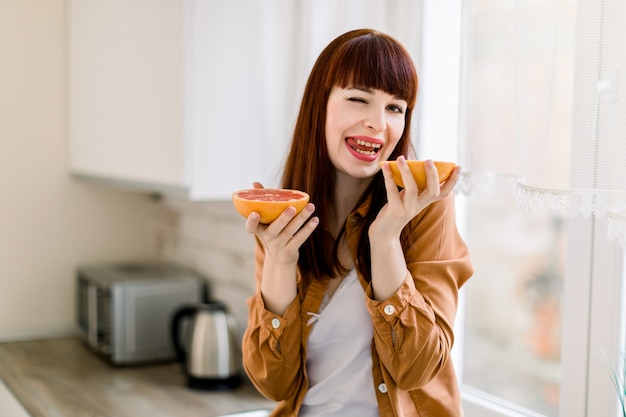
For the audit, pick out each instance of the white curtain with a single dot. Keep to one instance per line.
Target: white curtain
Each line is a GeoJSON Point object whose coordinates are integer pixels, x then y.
{"type": "Point", "coordinates": [560, 140]}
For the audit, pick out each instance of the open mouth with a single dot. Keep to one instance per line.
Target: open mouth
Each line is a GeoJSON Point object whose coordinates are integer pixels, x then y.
{"type": "Point", "coordinates": [364, 147]}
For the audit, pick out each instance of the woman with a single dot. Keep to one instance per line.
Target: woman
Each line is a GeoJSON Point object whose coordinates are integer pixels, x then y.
{"type": "Point", "coordinates": [354, 308]}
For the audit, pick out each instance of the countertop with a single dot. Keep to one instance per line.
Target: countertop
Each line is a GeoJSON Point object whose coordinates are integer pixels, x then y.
{"type": "Point", "coordinates": [63, 378]}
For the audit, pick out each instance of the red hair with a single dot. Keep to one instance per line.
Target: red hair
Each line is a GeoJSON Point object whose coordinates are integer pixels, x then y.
{"type": "Point", "coordinates": [364, 58]}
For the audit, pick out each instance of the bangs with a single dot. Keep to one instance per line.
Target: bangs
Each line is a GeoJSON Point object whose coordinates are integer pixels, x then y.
{"type": "Point", "coordinates": [374, 61]}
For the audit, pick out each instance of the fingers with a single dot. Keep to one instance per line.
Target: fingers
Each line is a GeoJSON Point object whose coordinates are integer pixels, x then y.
{"type": "Point", "coordinates": [433, 191]}
{"type": "Point", "coordinates": [432, 180]}
{"type": "Point", "coordinates": [288, 224]}
{"type": "Point", "coordinates": [390, 184]}
{"type": "Point", "coordinates": [287, 233]}
{"type": "Point", "coordinates": [304, 231]}
{"type": "Point", "coordinates": [434, 188]}
{"type": "Point", "coordinates": [451, 182]}
{"type": "Point", "coordinates": [407, 176]}
{"type": "Point", "coordinates": [252, 222]}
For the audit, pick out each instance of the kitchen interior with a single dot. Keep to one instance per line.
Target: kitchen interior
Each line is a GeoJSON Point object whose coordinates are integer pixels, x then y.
{"type": "Point", "coordinates": [88, 230]}
{"type": "Point", "coordinates": [122, 142]}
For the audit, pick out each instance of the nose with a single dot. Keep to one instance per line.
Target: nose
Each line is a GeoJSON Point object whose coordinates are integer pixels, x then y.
{"type": "Point", "coordinates": [375, 120]}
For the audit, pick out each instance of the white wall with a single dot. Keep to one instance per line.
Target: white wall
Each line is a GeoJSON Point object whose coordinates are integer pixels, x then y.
{"type": "Point", "coordinates": [50, 222]}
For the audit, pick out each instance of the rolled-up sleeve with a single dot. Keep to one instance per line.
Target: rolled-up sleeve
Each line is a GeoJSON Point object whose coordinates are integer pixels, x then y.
{"type": "Point", "coordinates": [271, 345]}
{"type": "Point", "coordinates": [413, 329]}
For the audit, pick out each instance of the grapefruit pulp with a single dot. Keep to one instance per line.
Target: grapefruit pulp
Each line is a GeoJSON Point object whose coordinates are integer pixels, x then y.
{"type": "Point", "coordinates": [268, 202]}
{"type": "Point", "coordinates": [444, 169]}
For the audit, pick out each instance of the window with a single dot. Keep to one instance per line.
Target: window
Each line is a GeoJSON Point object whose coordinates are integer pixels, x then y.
{"type": "Point", "coordinates": [541, 323]}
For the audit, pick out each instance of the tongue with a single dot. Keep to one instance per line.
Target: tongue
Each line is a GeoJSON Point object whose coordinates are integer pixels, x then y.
{"type": "Point", "coordinates": [355, 145]}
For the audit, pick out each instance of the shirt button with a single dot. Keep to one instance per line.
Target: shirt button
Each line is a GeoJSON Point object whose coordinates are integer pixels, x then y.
{"type": "Point", "coordinates": [389, 309]}
{"type": "Point", "coordinates": [275, 323]}
{"type": "Point", "coordinates": [382, 388]}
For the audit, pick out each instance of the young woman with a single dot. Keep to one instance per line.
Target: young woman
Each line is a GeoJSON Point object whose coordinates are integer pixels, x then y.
{"type": "Point", "coordinates": [356, 296]}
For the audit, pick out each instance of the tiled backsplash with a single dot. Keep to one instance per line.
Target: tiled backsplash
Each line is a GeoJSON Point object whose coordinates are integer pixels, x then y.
{"type": "Point", "coordinates": [210, 238]}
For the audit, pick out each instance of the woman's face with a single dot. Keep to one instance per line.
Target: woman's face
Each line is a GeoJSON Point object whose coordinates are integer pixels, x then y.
{"type": "Point", "coordinates": [363, 127]}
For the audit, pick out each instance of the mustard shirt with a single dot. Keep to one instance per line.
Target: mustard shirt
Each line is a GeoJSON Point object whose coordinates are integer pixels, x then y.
{"type": "Point", "coordinates": [413, 329]}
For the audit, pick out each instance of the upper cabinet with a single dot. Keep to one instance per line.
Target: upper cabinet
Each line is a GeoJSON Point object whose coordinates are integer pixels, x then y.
{"type": "Point", "coordinates": [174, 96]}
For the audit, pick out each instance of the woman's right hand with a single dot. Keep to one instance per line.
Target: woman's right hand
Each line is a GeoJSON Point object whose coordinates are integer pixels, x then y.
{"type": "Point", "coordinates": [281, 240]}
{"type": "Point", "coordinates": [283, 237]}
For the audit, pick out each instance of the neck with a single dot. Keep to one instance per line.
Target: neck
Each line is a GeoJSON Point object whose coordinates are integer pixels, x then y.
{"type": "Point", "coordinates": [347, 192]}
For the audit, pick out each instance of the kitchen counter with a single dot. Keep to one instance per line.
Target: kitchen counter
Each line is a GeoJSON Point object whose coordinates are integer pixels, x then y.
{"type": "Point", "coordinates": [63, 378]}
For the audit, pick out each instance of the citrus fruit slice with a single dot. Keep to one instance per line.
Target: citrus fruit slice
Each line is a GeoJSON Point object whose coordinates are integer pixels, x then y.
{"type": "Point", "coordinates": [417, 169]}
{"type": "Point", "coordinates": [268, 202]}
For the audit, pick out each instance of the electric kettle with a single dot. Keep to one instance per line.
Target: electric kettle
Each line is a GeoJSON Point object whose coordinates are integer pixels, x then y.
{"type": "Point", "coordinates": [208, 353]}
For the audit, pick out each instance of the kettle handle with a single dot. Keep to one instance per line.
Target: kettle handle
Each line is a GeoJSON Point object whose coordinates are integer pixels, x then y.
{"type": "Point", "coordinates": [180, 314]}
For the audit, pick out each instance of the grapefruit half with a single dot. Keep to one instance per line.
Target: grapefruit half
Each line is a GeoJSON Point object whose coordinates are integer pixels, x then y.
{"type": "Point", "coordinates": [444, 169]}
{"type": "Point", "coordinates": [268, 202]}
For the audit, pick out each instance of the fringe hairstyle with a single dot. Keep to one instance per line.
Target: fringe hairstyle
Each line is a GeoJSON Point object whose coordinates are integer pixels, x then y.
{"type": "Point", "coordinates": [364, 58]}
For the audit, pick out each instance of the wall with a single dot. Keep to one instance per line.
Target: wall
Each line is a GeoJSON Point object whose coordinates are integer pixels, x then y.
{"type": "Point", "coordinates": [210, 238]}
{"type": "Point", "coordinates": [49, 222]}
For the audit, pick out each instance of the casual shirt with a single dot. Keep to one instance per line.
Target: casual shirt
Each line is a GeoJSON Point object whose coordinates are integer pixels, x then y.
{"type": "Point", "coordinates": [339, 357]}
{"type": "Point", "coordinates": [412, 371]}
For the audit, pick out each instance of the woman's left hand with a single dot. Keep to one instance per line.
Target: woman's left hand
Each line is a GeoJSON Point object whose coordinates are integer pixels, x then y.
{"type": "Point", "coordinates": [403, 205]}
{"type": "Point", "coordinates": [389, 269]}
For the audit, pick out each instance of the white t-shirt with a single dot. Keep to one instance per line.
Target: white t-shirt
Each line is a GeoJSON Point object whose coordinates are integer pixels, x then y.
{"type": "Point", "coordinates": [339, 358]}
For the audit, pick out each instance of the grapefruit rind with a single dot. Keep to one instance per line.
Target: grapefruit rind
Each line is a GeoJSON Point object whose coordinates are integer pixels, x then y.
{"type": "Point", "coordinates": [268, 202]}
{"type": "Point", "coordinates": [444, 169]}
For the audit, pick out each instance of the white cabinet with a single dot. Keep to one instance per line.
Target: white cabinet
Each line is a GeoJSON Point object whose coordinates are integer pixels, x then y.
{"type": "Point", "coordinates": [173, 96]}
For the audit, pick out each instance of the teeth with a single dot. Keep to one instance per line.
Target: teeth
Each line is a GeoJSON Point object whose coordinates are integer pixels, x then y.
{"type": "Point", "coordinates": [368, 153]}
{"type": "Point", "coordinates": [368, 144]}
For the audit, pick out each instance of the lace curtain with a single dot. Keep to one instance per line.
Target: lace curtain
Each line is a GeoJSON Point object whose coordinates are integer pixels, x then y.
{"type": "Point", "coordinates": [556, 129]}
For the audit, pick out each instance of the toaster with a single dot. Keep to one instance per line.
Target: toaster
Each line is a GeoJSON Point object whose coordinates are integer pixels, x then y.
{"type": "Point", "coordinates": [125, 310]}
